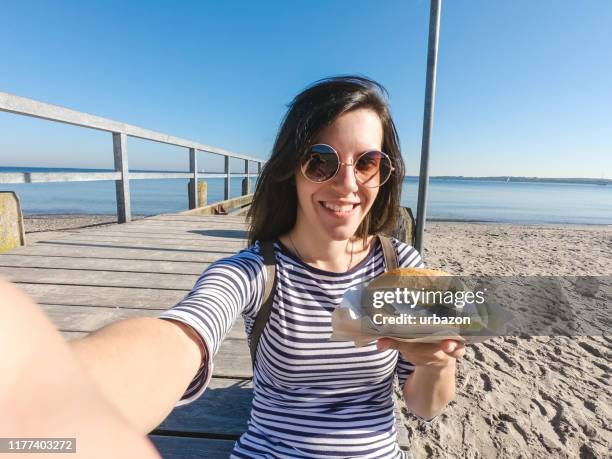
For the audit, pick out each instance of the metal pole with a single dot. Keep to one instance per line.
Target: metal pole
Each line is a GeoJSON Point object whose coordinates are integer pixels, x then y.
{"type": "Point", "coordinates": [428, 115]}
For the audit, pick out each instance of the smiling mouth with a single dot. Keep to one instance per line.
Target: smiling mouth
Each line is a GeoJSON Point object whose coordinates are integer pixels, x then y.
{"type": "Point", "coordinates": [344, 209]}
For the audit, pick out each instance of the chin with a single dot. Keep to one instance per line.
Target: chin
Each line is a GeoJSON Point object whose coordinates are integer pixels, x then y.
{"type": "Point", "coordinates": [343, 232]}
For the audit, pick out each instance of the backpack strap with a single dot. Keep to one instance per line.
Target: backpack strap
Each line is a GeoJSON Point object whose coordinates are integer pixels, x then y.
{"type": "Point", "coordinates": [388, 252]}
{"type": "Point", "coordinates": [267, 250]}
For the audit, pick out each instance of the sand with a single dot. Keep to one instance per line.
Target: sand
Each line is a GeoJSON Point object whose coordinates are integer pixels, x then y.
{"type": "Point", "coordinates": [536, 397]}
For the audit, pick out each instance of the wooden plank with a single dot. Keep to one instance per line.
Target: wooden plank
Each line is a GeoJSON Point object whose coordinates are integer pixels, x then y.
{"type": "Point", "coordinates": [197, 241]}
{"type": "Point", "coordinates": [196, 235]}
{"type": "Point", "coordinates": [153, 229]}
{"type": "Point", "coordinates": [91, 318]}
{"type": "Point", "coordinates": [102, 264]}
{"type": "Point", "coordinates": [223, 408]}
{"type": "Point", "coordinates": [186, 228]}
{"type": "Point", "coordinates": [173, 228]}
{"type": "Point", "coordinates": [233, 360]}
{"type": "Point", "coordinates": [90, 250]}
{"type": "Point", "coordinates": [154, 281]}
{"type": "Point", "coordinates": [221, 207]}
{"type": "Point", "coordinates": [228, 237]}
{"type": "Point", "coordinates": [219, 220]}
{"type": "Point", "coordinates": [220, 247]}
{"type": "Point", "coordinates": [161, 230]}
{"type": "Point", "coordinates": [192, 448]}
{"type": "Point", "coordinates": [70, 335]}
{"type": "Point", "coordinates": [213, 219]}
{"type": "Point", "coordinates": [103, 296]}
{"type": "Point", "coordinates": [158, 175]}
{"type": "Point", "coordinates": [29, 107]}
{"type": "Point", "coordinates": [199, 232]}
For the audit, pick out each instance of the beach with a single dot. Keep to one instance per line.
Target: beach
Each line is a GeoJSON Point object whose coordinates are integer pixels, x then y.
{"type": "Point", "coordinates": [533, 397]}
{"type": "Point", "coordinates": [516, 397]}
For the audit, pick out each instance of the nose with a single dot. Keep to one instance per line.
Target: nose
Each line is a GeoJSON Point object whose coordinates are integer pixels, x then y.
{"type": "Point", "coordinates": [346, 179]}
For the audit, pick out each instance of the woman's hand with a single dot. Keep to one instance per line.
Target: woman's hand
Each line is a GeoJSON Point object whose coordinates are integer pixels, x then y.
{"type": "Point", "coordinates": [425, 354]}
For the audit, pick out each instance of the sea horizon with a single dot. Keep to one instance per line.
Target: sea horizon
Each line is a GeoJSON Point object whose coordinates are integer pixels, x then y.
{"type": "Point", "coordinates": [26, 169]}
{"type": "Point", "coordinates": [450, 198]}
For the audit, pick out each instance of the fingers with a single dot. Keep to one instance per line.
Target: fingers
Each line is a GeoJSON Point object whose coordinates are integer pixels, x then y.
{"type": "Point", "coordinates": [452, 348]}
{"type": "Point", "coordinates": [449, 346]}
{"type": "Point", "coordinates": [422, 348]}
{"type": "Point", "coordinates": [455, 349]}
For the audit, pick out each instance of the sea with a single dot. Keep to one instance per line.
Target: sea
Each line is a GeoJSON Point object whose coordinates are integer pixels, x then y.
{"type": "Point", "coordinates": [448, 199]}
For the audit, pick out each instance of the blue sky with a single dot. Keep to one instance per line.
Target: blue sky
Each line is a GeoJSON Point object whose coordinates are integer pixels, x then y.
{"type": "Point", "coordinates": [524, 87]}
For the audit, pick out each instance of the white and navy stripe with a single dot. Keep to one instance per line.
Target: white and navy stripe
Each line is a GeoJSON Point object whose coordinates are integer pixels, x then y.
{"type": "Point", "coordinates": [313, 398]}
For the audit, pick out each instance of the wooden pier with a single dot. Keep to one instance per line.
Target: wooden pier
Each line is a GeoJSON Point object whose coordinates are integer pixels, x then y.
{"type": "Point", "coordinates": [85, 279]}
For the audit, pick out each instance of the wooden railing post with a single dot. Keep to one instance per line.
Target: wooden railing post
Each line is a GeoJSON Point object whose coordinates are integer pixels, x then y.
{"type": "Point", "coordinates": [246, 182]}
{"type": "Point", "coordinates": [202, 193]}
{"type": "Point", "coordinates": [193, 182]}
{"type": "Point", "coordinates": [226, 189]}
{"type": "Point", "coordinates": [122, 185]}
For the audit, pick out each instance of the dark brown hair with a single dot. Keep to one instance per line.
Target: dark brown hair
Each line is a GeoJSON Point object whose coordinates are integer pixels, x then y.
{"type": "Point", "coordinates": [273, 211]}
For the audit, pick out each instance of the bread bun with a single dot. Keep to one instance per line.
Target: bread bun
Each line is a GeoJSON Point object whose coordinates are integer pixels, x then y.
{"type": "Point", "coordinates": [418, 280]}
{"type": "Point", "coordinates": [412, 278]}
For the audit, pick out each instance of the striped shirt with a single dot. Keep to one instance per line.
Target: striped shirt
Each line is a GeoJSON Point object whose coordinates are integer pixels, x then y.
{"type": "Point", "coordinates": [312, 397]}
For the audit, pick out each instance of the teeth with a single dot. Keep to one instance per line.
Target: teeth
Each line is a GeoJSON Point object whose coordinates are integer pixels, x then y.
{"type": "Point", "coordinates": [335, 208]}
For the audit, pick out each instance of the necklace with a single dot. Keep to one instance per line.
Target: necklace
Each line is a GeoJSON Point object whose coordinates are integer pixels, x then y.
{"type": "Point", "coordinates": [301, 258]}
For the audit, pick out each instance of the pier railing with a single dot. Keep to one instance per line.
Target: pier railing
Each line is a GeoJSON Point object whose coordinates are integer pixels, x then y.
{"type": "Point", "coordinates": [120, 132]}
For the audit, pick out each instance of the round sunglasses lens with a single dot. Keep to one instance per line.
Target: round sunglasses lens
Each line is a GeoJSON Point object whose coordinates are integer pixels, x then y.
{"type": "Point", "coordinates": [373, 169]}
{"type": "Point", "coordinates": [320, 163]}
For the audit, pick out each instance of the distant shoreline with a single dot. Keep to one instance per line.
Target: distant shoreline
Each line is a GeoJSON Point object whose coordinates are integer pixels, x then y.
{"type": "Point", "coordinates": [496, 178]}
{"type": "Point", "coordinates": [575, 180]}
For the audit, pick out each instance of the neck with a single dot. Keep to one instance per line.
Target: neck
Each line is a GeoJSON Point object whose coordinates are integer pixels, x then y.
{"type": "Point", "coordinates": [320, 250]}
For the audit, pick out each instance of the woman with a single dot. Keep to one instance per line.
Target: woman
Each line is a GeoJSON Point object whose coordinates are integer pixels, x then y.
{"type": "Point", "coordinates": [325, 193]}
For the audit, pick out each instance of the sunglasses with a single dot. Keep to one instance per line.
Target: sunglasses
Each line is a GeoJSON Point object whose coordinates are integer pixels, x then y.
{"type": "Point", "coordinates": [322, 163]}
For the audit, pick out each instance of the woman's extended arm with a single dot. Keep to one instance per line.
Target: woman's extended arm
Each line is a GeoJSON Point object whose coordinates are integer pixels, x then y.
{"type": "Point", "coordinates": [142, 365]}
{"type": "Point", "coordinates": [46, 393]}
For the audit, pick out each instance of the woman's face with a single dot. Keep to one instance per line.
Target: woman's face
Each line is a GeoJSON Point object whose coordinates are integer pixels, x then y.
{"type": "Point", "coordinates": [351, 134]}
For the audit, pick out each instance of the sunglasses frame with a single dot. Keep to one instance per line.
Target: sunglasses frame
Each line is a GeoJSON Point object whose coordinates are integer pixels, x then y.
{"type": "Point", "coordinates": [340, 164]}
